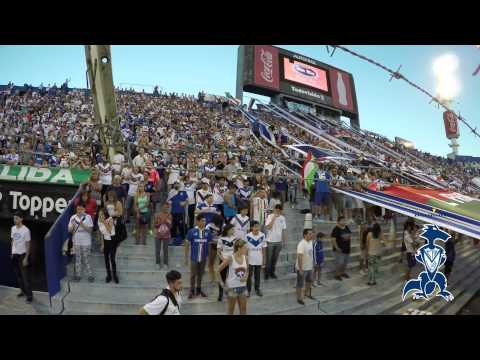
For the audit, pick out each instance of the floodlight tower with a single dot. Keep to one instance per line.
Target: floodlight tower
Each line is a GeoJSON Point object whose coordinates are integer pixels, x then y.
{"type": "Point", "coordinates": [99, 69]}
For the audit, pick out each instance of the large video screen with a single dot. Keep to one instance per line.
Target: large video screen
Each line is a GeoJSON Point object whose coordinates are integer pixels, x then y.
{"type": "Point", "coordinates": [305, 74]}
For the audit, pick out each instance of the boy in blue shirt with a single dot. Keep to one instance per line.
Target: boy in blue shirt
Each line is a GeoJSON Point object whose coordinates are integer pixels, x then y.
{"type": "Point", "coordinates": [197, 242]}
{"type": "Point", "coordinates": [318, 259]}
{"type": "Point", "coordinates": [178, 200]}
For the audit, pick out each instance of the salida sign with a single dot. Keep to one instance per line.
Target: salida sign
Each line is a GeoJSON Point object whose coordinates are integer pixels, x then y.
{"type": "Point", "coordinates": [59, 176]}
{"type": "Point", "coordinates": [38, 202]}
{"type": "Point", "coordinates": [41, 193]}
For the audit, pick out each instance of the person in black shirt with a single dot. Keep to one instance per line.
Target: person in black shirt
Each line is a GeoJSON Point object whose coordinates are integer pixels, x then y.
{"type": "Point", "coordinates": [341, 237]}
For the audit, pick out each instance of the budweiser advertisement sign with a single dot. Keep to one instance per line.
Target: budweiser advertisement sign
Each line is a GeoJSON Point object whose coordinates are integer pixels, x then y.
{"type": "Point", "coordinates": [266, 67]}
{"type": "Point", "coordinates": [451, 125]}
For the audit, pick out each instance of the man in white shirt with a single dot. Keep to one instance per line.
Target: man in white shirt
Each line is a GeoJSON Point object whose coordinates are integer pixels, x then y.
{"type": "Point", "coordinates": [117, 162]}
{"type": "Point", "coordinates": [203, 192]}
{"type": "Point", "coordinates": [268, 165]}
{"type": "Point", "coordinates": [304, 267]}
{"type": "Point", "coordinates": [173, 173]}
{"type": "Point", "coordinates": [190, 188]}
{"type": "Point", "coordinates": [80, 226]}
{"type": "Point", "coordinates": [241, 222]}
{"type": "Point", "coordinates": [21, 238]}
{"type": "Point", "coordinates": [169, 301]}
{"type": "Point", "coordinates": [276, 237]}
{"type": "Point", "coordinates": [257, 246]}
{"type": "Point", "coordinates": [139, 160]}
{"type": "Point", "coordinates": [136, 177]}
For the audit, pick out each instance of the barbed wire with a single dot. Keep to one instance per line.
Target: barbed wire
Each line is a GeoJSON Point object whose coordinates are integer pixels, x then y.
{"type": "Point", "coordinates": [397, 75]}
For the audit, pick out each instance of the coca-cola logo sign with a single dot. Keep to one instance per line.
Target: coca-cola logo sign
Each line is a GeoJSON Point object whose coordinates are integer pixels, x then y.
{"type": "Point", "coordinates": [267, 60]}
{"type": "Point", "coordinates": [266, 67]}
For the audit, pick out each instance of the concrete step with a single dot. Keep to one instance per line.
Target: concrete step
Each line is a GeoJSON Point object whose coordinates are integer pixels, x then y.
{"type": "Point", "coordinates": [11, 305]}
{"type": "Point", "coordinates": [147, 288]}
{"type": "Point", "coordinates": [390, 299]}
{"type": "Point", "coordinates": [128, 269]}
{"type": "Point", "coordinates": [469, 290]}
{"type": "Point", "coordinates": [360, 294]}
{"type": "Point", "coordinates": [127, 248]}
{"type": "Point", "coordinates": [462, 284]}
{"type": "Point", "coordinates": [274, 298]}
{"type": "Point", "coordinates": [177, 258]}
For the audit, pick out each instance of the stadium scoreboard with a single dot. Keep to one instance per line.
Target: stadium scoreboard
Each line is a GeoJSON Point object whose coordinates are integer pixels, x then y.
{"type": "Point", "coordinates": [270, 71]}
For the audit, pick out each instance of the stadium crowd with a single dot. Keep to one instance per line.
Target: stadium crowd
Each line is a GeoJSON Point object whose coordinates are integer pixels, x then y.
{"type": "Point", "coordinates": [190, 172]}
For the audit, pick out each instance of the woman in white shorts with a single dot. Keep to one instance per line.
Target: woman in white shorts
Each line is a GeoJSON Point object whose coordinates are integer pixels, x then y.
{"type": "Point", "coordinates": [236, 284]}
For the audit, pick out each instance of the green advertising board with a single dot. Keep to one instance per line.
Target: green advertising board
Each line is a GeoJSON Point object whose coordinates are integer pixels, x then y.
{"type": "Point", "coordinates": [44, 175]}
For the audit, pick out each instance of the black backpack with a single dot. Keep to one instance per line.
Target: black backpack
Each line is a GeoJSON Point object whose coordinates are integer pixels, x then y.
{"type": "Point", "coordinates": [170, 297]}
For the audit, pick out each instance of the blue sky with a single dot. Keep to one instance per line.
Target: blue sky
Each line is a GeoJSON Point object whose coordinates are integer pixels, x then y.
{"type": "Point", "coordinates": [390, 108]}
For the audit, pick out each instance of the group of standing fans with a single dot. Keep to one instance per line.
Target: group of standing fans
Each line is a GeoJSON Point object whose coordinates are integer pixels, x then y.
{"type": "Point", "coordinates": [193, 180]}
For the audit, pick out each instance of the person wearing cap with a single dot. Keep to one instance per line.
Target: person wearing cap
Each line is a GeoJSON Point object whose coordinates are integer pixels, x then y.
{"type": "Point", "coordinates": [20, 255]}
{"type": "Point", "coordinates": [202, 193]}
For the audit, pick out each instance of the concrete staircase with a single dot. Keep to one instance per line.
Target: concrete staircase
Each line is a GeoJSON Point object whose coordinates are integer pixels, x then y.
{"type": "Point", "coordinates": [11, 305]}
{"type": "Point", "coordinates": [140, 281]}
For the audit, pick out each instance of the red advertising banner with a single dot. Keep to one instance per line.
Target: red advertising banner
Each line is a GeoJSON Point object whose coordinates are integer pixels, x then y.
{"type": "Point", "coordinates": [341, 90]}
{"type": "Point", "coordinates": [266, 67]}
{"type": "Point", "coordinates": [451, 125]}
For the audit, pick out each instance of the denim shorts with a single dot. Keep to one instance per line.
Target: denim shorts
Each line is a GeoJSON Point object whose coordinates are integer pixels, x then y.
{"type": "Point", "coordinates": [305, 277]}
{"type": "Point", "coordinates": [237, 291]}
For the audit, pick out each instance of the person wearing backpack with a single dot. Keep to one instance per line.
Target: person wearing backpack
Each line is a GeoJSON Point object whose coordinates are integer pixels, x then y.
{"type": "Point", "coordinates": [169, 300]}
{"type": "Point", "coordinates": [163, 224]}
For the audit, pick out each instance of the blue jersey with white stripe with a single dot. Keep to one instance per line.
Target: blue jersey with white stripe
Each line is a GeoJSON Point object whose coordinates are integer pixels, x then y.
{"type": "Point", "coordinates": [209, 211]}
{"type": "Point", "coordinates": [199, 240]}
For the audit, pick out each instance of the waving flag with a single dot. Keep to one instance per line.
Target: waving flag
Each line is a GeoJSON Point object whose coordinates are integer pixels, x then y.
{"type": "Point", "coordinates": [309, 170]}
{"type": "Point", "coordinates": [266, 134]}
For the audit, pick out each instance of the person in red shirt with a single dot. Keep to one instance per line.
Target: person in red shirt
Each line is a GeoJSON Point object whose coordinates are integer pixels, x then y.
{"type": "Point", "coordinates": [89, 202]}
{"type": "Point", "coordinates": [153, 187]}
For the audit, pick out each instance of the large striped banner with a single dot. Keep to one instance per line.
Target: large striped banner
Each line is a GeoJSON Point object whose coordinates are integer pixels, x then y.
{"type": "Point", "coordinates": [444, 208]}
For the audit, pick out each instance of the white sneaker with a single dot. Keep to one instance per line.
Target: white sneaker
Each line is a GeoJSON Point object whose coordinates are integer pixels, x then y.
{"type": "Point", "coordinates": [314, 285]}
{"type": "Point", "coordinates": [363, 272]}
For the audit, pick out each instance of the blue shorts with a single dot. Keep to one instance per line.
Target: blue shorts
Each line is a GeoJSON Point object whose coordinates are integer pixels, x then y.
{"type": "Point", "coordinates": [348, 202]}
{"type": "Point", "coordinates": [322, 198]}
{"type": "Point", "coordinates": [236, 292]}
